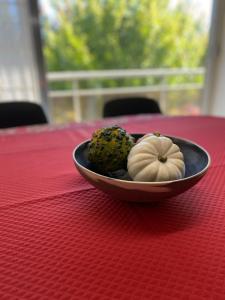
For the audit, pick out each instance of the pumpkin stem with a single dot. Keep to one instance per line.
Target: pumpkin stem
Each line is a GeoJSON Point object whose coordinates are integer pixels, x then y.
{"type": "Point", "coordinates": [157, 134]}
{"type": "Point", "coordinates": [162, 159]}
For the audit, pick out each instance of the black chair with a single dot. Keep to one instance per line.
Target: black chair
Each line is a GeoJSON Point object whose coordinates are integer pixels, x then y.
{"type": "Point", "coordinates": [13, 114]}
{"type": "Point", "coordinates": [130, 106]}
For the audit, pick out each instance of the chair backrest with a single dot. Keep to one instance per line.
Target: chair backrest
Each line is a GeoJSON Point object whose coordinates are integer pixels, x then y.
{"type": "Point", "coordinates": [13, 114]}
{"type": "Point", "coordinates": [130, 106]}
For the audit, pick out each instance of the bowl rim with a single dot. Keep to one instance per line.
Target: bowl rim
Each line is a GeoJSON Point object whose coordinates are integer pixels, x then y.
{"type": "Point", "coordinates": [152, 183]}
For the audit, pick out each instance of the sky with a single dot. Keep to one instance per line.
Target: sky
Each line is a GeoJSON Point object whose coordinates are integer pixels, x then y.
{"type": "Point", "coordinates": [201, 8]}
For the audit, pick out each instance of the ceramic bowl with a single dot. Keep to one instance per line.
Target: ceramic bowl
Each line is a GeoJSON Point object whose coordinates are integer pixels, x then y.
{"type": "Point", "coordinates": [197, 161]}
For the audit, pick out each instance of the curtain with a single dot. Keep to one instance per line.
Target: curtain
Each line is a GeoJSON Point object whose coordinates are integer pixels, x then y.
{"type": "Point", "coordinates": [19, 74]}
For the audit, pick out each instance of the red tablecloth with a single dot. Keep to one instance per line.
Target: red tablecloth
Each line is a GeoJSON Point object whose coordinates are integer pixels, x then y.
{"type": "Point", "coordinates": [60, 238]}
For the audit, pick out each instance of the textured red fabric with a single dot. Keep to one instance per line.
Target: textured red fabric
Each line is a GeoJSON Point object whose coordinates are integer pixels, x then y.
{"type": "Point", "coordinates": [60, 238]}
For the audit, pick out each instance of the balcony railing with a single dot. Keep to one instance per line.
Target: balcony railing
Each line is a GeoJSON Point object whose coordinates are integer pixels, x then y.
{"type": "Point", "coordinates": [162, 88]}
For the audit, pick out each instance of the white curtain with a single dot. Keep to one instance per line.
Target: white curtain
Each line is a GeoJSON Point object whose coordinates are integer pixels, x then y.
{"type": "Point", "coordinates": [215, 76]}
{"type": "Point", "coordinates": [18, 66]}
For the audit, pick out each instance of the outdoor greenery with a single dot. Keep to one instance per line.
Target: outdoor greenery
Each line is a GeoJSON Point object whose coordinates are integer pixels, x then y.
{"type": "Point", "coordinates": [122, 34]}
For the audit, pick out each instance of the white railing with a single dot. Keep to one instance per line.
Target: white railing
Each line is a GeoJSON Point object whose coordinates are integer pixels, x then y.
{"type": "Point", "coordinates": [163, 87]}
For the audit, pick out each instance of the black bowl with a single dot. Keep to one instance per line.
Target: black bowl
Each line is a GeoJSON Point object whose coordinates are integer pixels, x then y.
{"type": "Point", "coordinates": [196, 159]}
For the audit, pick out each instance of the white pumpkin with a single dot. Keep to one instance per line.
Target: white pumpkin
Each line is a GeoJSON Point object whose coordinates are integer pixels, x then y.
{"type": "Point", "coordinates": [155, 158]}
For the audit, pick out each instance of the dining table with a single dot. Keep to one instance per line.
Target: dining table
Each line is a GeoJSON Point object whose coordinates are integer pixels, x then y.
{"type": "Point", "coordinates": [61, 238]}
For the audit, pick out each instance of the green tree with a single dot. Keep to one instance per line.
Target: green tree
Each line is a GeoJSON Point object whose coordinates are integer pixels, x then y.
{"type": "Point", "coordinates": [109, 34]}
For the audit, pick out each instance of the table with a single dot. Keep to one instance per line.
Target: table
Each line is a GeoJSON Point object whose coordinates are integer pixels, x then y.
{"type": "Point", "coordinates": [60, 238]}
